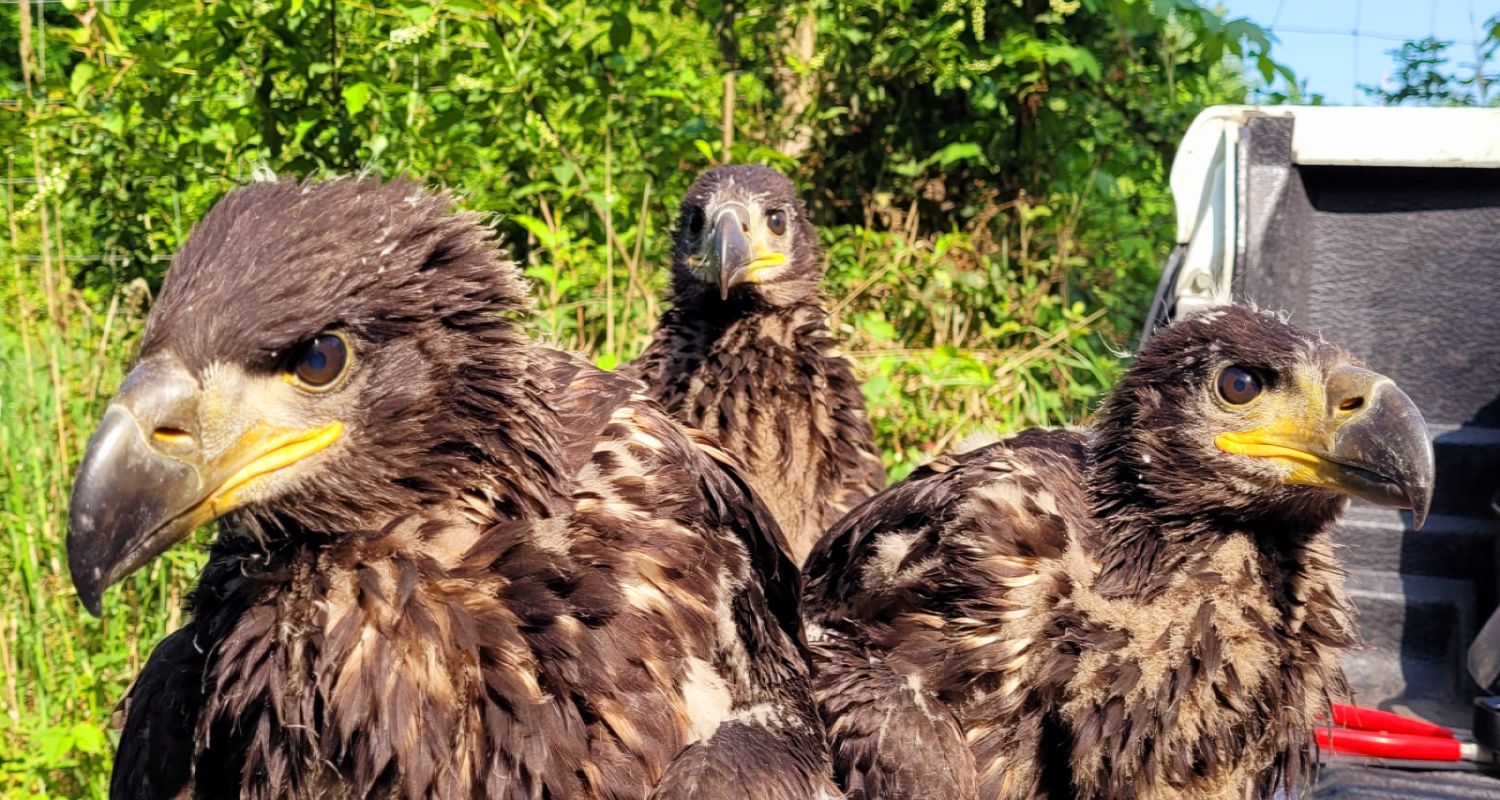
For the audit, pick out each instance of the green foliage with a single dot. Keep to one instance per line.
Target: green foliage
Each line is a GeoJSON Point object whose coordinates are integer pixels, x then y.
{"type": "Point", "coordinates": [990, 178]}
{"type": "Point", "coordinates": [1423, 77]}
{"type": "Point", "coordinates": [60, 356]}
{"type": "Point", "coordinates": [959, 103]}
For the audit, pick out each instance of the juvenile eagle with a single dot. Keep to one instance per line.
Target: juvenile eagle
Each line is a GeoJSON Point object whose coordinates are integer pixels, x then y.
{"type": "Point", "coordinates": [453, 563]}
{"type": "Point", "coordinates": [1150, 609]}
{"type": "Point", "coordinates": [745, 352]}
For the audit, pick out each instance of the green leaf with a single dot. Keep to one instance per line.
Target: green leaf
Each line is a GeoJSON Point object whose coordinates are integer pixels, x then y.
{"type": "Point", "coordinates": [958, 151]}
{"type": "Point", "coordinates": [114, 122]}
{"type": "Point", "coordinates": [537, 228]}
{"type": "Point", "coordinates": [620, 30]}
{"type": "Point", "coordinates": [82, 74]}
{"type": "Point", "coordinates": [88, 738]}
{"type": "Point", "coordinates": [417, 12]}
{"type": "Point", "coordinates": [1244, 29]}
{"type": "Point", "coordinates": [302, 128]}
{"type": "Point", "coordinates": [877, 328]}
{"type": "Point", "coordinates": [908, 168]}
{"type": "Point", "coordinates": [357, 96]}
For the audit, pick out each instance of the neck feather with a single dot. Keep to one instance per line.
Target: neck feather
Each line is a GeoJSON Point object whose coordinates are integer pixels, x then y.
{"type": "Point", "coordinates": [1153, 524]}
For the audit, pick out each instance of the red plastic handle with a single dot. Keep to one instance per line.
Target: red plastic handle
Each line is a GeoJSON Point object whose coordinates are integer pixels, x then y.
{"type": "Point", "coordinates": [1389, 745]}
{"type": "Point", "coordinates": [1370, 719]}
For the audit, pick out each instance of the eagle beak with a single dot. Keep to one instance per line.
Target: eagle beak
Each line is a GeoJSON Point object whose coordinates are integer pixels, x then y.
{"type": "Point", "coordinates": [730, 247]}
{"type": "Point", "coordinates": [1368, 440]}
{"type": "Point", "coordinates": [146, 482]}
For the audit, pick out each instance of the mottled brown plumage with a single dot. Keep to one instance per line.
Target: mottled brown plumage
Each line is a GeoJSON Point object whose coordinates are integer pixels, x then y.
{"type": "Point", "coordinates": [1150, 609]}
{"type": "Point", "coordinates": [745, 352]}
{"type": "Point", "coordinates": [503, 574]}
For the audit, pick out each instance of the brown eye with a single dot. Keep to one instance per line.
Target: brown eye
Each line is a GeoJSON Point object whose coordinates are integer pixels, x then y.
{"type": "Point", "coordinates": [322, 361]}
{"type": "Point", "coordinates": [695, 221]}
{"type": "Point", "coordinates": [1238, 385]}
{"type": "Point", "coordinates": [776, 221]}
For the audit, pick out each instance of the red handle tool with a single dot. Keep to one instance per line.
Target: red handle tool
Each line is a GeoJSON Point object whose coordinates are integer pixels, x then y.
{"type": "Point", "coordinates": [1374, 744]}
{"type": "Point", "coordinates": [1373, 733]}
{"type": "Point", "coordinates": [1371, 719]}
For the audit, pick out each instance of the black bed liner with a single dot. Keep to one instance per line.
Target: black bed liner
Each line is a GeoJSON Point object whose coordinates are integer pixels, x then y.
{"type": "Point", "coordinates": [1352, 781]}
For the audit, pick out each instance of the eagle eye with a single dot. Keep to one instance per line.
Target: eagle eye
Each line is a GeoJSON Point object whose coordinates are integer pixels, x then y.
{"type": "Point", "coordinates": [695, 221]}
{"type": "Point", "coordinates": [322, 361]}
{"type": "Point", "coordinates": [776, 221]}
{"type": "Point", "coordinates": [1238, 385]}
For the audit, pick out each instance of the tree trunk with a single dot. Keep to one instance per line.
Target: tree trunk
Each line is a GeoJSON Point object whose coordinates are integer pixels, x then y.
{"type": "Point", "coordinates": [797, 82]}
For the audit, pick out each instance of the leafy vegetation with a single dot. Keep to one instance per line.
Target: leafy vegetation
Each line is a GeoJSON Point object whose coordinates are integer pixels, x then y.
{"type": "Point", "coordinates": [1423, 76]}
{"type": "Point", "coordinates": [990, 178]}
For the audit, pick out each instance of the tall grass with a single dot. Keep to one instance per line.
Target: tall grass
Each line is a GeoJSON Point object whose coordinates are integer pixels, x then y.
{"type": "Point", "coordinates": [61, 671]}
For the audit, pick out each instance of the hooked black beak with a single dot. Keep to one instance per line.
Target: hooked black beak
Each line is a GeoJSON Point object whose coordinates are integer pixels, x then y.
{"type": "Point", "coordinates": [730, 248]}
{"type": "Point", "coordinates": [146, 481]}
{"type": "Point", "coordinates": [1370, 441]}
{"type": "Point", "coordinates": [1382, 452]}
{"type": "Point", "coordinates": [129, 497]}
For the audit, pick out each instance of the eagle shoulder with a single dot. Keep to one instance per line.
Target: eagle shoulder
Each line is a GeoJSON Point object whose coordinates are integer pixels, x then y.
{"type": "Point", "coordinates": [644, 460]}
{"type": "Point", "coordinates": [932, 598]}
{"type": "Point", "coordinates": [156, 718]}
{"type": "Point", "coordinates": [747, 758]}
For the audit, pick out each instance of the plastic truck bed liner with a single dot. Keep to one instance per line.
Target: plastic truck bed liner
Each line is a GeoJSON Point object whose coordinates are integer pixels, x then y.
{"type": "Point", "coordinates": [1353, 781]}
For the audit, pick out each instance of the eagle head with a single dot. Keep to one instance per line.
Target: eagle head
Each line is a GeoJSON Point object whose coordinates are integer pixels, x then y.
{"type": "Point", "coordinates": [321, 358]}
{"type": "Point", "coordinates": [1234, 410]}
{"type": "Point", "coordinates": [743, 233]}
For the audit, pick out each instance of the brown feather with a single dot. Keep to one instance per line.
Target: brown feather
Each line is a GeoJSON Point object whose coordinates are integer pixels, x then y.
{"type": "Point", "coordinates": [1090, 630]}
{"type": "Point", "coordinates": [759, 372]}
{"type": "Point", "coordinates": [519, 577]}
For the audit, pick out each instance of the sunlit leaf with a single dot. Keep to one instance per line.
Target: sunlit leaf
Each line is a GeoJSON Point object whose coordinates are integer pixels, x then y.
{"type": "Point", "coordinates": [82, 74]}
{"type": "Point", "coordinates": [356, 97]}
{"type": "Point", "coordinates": [958, 151]}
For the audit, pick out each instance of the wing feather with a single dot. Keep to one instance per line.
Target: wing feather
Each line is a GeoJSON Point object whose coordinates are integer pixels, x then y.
{"type": "Point", "coordinates": [926, 606]}
{"type": "Point", "coordinates": [159, 714]}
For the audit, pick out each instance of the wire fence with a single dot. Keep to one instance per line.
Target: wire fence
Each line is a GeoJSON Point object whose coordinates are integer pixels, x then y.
{"type": "Point", "coordinates": [1474, 39]}
{"type": "Point", "coordinates": [1357, 33]}
{"type": "Point", "coordinates": [102, 258]}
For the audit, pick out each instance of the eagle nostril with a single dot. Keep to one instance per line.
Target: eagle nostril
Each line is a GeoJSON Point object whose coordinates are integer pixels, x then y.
{"type": "Point", "coordinates": [172, 437]}
{"type": "Point", "coordinates": [1352, 389]}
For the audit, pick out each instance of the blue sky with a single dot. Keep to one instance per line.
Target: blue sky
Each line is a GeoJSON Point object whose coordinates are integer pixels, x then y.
{"type": "Point", "coordinates": [1332, 63]}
